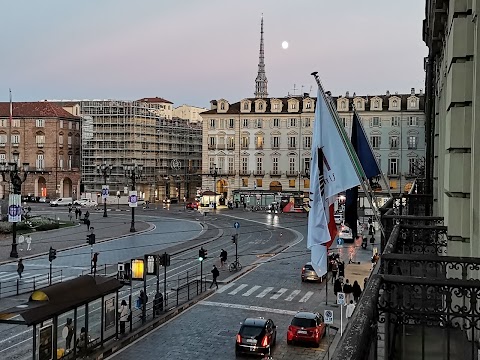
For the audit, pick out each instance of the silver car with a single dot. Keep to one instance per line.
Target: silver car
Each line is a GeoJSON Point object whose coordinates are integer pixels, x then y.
{"type": "Point", "coordinates": [308, 273]}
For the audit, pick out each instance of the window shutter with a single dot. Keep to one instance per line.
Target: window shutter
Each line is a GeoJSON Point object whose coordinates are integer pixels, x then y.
{"type": "Point", "coordinates": [371, 122]}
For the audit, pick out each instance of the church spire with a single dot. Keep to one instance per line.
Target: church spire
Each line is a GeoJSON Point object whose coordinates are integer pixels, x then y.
{"type": "Point", "coordinates": [261, 80]}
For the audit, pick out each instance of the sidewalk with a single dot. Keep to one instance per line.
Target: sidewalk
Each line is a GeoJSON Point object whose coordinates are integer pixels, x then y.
{"type": "Point", "coordinates": [72, 236]}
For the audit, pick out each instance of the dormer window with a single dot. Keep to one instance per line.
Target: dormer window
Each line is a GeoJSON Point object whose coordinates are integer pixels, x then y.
{"type": "Point", "coordinates": [308, 105]}
{"type": "Point", "coordinates": [260, 106]}
{"type": "Point", "coordinates": [359, 105]}
{"type": "Point", "coordinates": [293, 106]}
{"type": "Point", "coordinates": [343, 105]}
{"type": "Point", "coordinates": [245, 106]}
{"type": "Point", "coordinates": [376, 104]}
{"type": "Point", "coordinates": [395, 103]}
{"type": "Point", "coordinates": [275, 106]}
{"type": "Point", "coordinates": [222, 106]}
{"type": "Point", "coordinates": [413, 103]}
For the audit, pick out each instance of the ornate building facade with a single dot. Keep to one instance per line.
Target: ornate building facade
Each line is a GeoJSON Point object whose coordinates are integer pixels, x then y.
{"type": "Point", "coordinates": [46, 137]}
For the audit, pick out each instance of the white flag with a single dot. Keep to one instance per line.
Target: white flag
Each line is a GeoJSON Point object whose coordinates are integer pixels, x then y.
{"type": "Point", "coordinates": [331, 172]}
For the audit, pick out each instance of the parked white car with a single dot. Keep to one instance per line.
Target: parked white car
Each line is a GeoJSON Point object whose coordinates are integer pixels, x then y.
{"type": "Point", "coordinates": [338, 219]}
{"type": "Point", "coordinates": [61, 202]}
{"type": "Point", "coordinates": [346, 234]}
{"type": "Point", "coordinates": [85, 202]}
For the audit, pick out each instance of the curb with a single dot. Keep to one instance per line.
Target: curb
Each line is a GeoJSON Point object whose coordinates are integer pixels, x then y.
{"type": "Point", "coordinates": [147, 328]}
{"type": "Point", "coordinates": [150, 227]}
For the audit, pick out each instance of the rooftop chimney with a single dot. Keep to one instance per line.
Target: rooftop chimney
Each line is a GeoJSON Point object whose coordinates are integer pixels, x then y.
{"type": "Point", "coordinates": [213, 104]}
{"type": "Point", "coordinates": [388, 93]}
{"type": "Point", "coordinates": [421, 91]}
{"type": "Point", "coordinates": [347, 94]}
{"type": "Point", "coordinates": [412, 91]}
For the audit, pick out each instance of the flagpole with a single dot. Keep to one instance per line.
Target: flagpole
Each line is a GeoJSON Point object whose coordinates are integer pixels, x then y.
{"type": "Point", "coordinates": [371, 149]}
{"type": "Point", "coordinates": [351, 153]}
{"type": "Point", "coordinates": [10, 128]}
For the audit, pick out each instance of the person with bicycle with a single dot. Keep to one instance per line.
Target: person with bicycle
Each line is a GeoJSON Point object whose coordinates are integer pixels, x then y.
{"type": "Point", "coordinates": [223, 258]}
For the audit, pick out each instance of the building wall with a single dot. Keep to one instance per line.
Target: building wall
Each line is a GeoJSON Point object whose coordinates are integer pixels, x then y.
{"type": "Point", "coordinates": [188, 112]}
{"type": "Point", "coordinates": [452, 35]}
{"type": "Point", "coordinates": [226, 125]}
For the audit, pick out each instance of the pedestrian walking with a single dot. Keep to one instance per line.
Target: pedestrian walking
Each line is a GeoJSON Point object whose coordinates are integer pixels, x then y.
{"type": "Point", "coordinates": [80, 213]}
{"type": "Point", "coordinates": [337, 287]}
{"type": "Point", "coordinates": [70, 216]}
{"type": "Point", "coordinates": [223, 257]}
{"type": "Point", "coordinates": [20, 268]}
{"type": "Point", "coordinates": [350, 309]}
{"type": "Point", "coordinates": [341, 269]}
{"type": "Point", "coordinates": [94, 264]}
{"type": "Point", "coordinates": [76, 213]}
{"type": "Point", "coordinates": [334, 270]}
{"type": "Point", "coordinates": [356, 291]}
{"type": "Point", "coordinates": [87, 222]}
{"type": "Point", "coordinates": [87, 215]}
{"type": "Point", "coordinates": [28, 239]}
{"type": "Point", "coordinates": [375, 258]}
{"type": "Point", "coordinates": [215, 274]}
{"type": "Point", "coordinates": [347, 289]}
{"type": "Point", "coordinates": [142, 301]}
{"type": "Point", "coordinates": [70, 208]}
{"type": "Point", "coordinates": [123, 313]}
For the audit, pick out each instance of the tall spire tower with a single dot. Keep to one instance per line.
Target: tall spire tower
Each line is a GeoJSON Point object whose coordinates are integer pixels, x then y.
{"type": "Point", "coordinates": [261, 80]}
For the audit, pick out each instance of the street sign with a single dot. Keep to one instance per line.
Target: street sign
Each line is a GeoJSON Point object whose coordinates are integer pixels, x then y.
{"type": "Point", "coordinates": [14, 208]}
{"type": "Point", "coordinates": [340, 298]}
{"type": "Point", "coordinates": [132, 199]}
{"type": "Point", "coordinates": [236, 224]}
{"type": "Point", "coordinates": [152, 264]}
{"type": "Point", "coordinates": [328, 316]}
{"type": "Point", "coordinates": [105, 191]}
{"type": "Point", "coordinates": [339, 242]}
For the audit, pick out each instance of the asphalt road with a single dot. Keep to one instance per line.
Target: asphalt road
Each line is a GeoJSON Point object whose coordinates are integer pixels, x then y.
{"type": "Point", "coordinates": [173, 230]}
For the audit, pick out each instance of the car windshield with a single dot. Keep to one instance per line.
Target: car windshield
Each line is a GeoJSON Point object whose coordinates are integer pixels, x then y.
{"type": "Point", "coordinates": [308, 267]}
{"type": "Point", "coordinates": [305, 323]}
{"type": "Point", "coordinates": [253, 331]}
{"type": "Point", "coordinates": [345, 231]}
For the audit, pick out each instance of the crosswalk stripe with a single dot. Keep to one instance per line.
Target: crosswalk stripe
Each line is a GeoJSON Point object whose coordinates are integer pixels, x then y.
{"type": "Point", "coordinates": [252, 290]}
{"type": "Point", "coordinates": [265, 292]}
{"type": "Point", "coordinates": [240, 288]}
{"type": "Point", "coordinates": [292, 295]}
{"type": "Point", "coordinates": [278, 294]}
{"type": "Point", "coordinates": [307, 296]}
{"type": "Point", "coordinates": [225, 287]}
{"type": "Point", "coordinates": [6, 276]}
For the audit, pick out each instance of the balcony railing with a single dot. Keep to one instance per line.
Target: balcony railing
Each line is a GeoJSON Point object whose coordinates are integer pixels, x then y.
{"type": "Point", "coordinates": [211, 147]}
{"type": "Point", "coordinates": [292, 173]}
{"type": "Point", "coordinates": [259, 172]}
{"type": "Point", "coordinates": [415, 289]}
{"type": "Point", "coordinates": [245, 172]}
{"type": "Point", "coordinates": [275, 173]}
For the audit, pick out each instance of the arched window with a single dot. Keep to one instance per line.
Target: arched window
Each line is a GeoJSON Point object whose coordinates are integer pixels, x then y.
{"type": "Point", "coordinates": [394, 103]}
{"type": "Point", "coordinates": [222, 106]}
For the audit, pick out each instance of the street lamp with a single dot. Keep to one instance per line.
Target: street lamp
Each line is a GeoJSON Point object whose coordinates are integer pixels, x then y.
{"type": "Point", "coordinates": [214, 173]}
{"type": "Point", "coordinates": [15, 208]}
{"type": "Point", "coordinates": [105, 170]}
{"type": "Point", "coordinates": [133, 171]}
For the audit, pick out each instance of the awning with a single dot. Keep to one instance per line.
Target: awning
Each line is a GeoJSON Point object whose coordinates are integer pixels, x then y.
{"type": "Point", "coordinates": [57, 299]}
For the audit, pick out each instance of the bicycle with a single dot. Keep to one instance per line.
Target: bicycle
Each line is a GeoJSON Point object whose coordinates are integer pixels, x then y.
{"type": "Point", "coordinates": [235, 266]}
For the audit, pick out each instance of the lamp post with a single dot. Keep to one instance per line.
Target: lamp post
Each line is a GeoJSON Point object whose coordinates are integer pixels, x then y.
{"type": "Point", "coordinates": [133, 171]}
{"type": "Point", "coordinates": [214, 173]}
{"type": "Point", "coordinates": [105, 170]}
{"type": "Point", "coordinates": [16, 180]}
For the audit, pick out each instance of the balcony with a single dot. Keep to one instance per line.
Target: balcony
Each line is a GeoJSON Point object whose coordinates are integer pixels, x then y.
{"type": "Point", "coordinates": [259, 173]}
{"type": "Point", "coordinates": [40, 145]}
{"type": "Point", "coordinates": [275, 173]}
{"type": "Point", "coordinates": [221, 147]}
{"type": "Point", "coordinates": [292, 173]}
{"type": "Point", "coordinates": [245, 172]}
{"type": "Point", "coordinates": [258, 147]}
{"type": "Point", "coordinates": [393, 175]}
{"type": "Point", "coordinates": [211, 147]}
{"type": "Point", "coordinates": [244, 147]}
{"type": "Point", "coordinates": [292, 147]}
{"type": "Point", "coordinates": [419, 303]}
{"type": "Point", "coordinates": [230, 147]}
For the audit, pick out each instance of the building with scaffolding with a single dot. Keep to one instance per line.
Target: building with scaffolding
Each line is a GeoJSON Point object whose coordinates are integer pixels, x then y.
{"type": "Point", "coordinates": [125, 132]}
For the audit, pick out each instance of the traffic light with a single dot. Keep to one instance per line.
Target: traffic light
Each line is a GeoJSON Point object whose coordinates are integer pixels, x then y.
{"type": "Point", "coordinates": [52, 254]}
{"type": "Point", "coordinates": [234, 238]}
{"type": "Point", "coordinates": [201, 254]}
{"type": "Point", "coordinates": [91, 239]}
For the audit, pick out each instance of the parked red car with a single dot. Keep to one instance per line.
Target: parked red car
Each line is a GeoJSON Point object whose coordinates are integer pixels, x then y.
{"type": "Point", "coordinates": [306, 327]}
{"type": "Point", "coordinates": [192, 205]}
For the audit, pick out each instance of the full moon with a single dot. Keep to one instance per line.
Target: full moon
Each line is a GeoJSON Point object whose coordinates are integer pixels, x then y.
{"type": "Point", "coordinates": [285, 45]}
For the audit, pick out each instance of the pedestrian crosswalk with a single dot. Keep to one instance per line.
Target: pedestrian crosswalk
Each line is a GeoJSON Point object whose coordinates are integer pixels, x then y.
{"type": "Point", "coordinates": [282, 294]}
{"type": "Point", "coordinates": [7, 276]}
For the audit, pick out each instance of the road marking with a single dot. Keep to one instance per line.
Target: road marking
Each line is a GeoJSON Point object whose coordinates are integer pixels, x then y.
{"type": "Point", "coordinates": [278, 294]}
{"type": "Point", "coordinates": [292, 295]}
{"type": "Point", "coordinates": [240, 288]}
{"type": "Point", "coordinates": [252, 290]}
{"type": "Point", "coordinates": [247, 307]}
{"type": "Point", "coordinates": [265, 292]}
{"type": "Point", "coordinates": [307, 296]}
{"type": "Point", "coordinates": [225, 287]}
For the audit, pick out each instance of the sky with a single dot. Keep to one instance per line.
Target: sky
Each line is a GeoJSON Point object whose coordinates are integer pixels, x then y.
{"type": "Point", "coordinates": [193, 51]}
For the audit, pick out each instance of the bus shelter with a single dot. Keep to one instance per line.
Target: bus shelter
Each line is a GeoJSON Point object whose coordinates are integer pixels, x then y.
{"type": "Point", "coordinates": [69, 318]}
